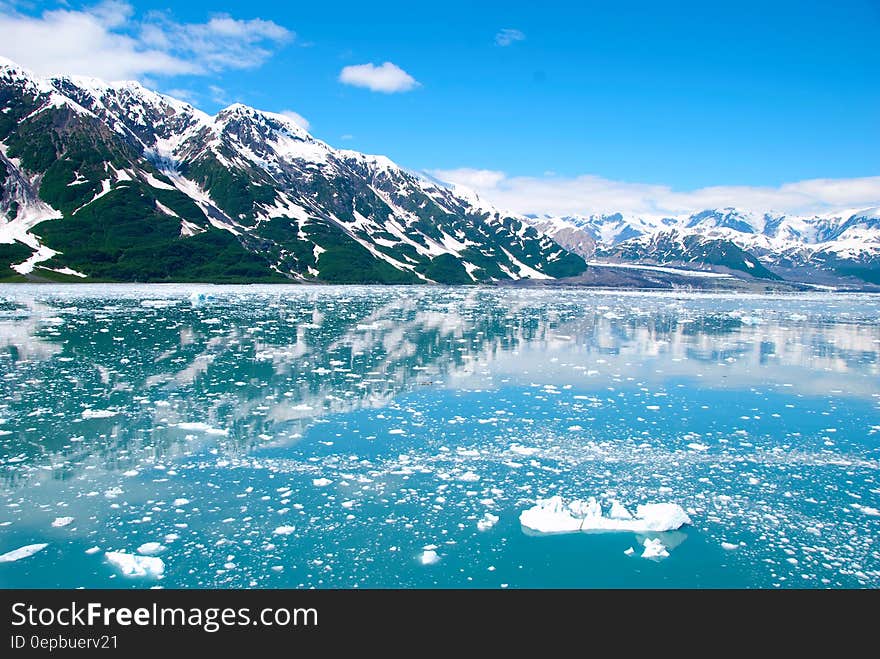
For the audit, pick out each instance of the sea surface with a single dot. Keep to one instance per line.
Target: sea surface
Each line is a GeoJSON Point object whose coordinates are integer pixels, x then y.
{"type": "Point", "coordinates": [342, 437]}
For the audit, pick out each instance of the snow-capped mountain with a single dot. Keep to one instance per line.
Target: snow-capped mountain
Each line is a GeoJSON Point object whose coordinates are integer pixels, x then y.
{"type": "Point", "coordinates": [112, 181]}
{"type": "Point", "coordinates": [815, 248]}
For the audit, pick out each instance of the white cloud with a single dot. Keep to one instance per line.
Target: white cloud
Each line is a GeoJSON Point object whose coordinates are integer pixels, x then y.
{"type": "Point", "coordinates": [219, 95]}
{"type": "Point", "coordinates": [594, 194]}
{"type": "Point", "coordinates": [107, 41]}
{"type": "Point", "coordinates": [182, 94]}
{"type": "Point", "coordinates": [508, 36]}
{"type": "Point", "coordinates": [387, 78]}
{"type": "Point", "coordinates": [296, 118]}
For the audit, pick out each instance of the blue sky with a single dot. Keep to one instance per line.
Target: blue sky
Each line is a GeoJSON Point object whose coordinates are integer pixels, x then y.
{"type": "Point", "coordinates": [682, 95]}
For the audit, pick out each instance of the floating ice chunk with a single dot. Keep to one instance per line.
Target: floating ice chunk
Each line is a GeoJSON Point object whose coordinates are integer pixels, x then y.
{"type": "Point", "coordinates": [151, 548]}
{"type": "Point", "coordinates": [284, 530]}
{"type": "Point", "coordinates": [396, 431]}
{"type": "Point", "coordinates": [866, 510]}
{"type": "Point", "coordinates": [134, 565]}
{"type": "Point", "coordinates": [93, 550]}
{"type": "Point", "coordinates": [654, 549]}
{"type": "Point", "coordinates": [62, 521]}
{"type": "Point", "coordinates": [98, 414]}
{"type": "Point", "coordinates": [729, 546]}
{"type": "Point", "coordinates": [321, 482]}
{"type": "Point", "coordinates": [469, 477]}
{"type": "Point", "coordinates": [130, 473]}
{"type": "Point", "coordinates": [113, 492]}
{"type": "Point", "coordinates": [629, 552]}
{"type": "Point", "coordinates": [177, 503]}
{"type": "Point", "coordinates": [696, 446]}
{"type": "Point", "coordinates": [487, 522]}
{"type": "Point", "coordinates": [22, 552]}
{"type": "Point", "coordinates": [429, 557]}
{"type": "Point", "coordinates": [553, 516]}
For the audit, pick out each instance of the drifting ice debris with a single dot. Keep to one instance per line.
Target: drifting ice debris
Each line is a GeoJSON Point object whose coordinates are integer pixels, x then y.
{"type": "Point", "coordinates": [553, 516]}
{"type": "Point", "coordinates": [429, 557]}
{"type": "Point", "coordinates": [134, 565]}
{"type": "Point", "coordinates": [62, 521]}
{"type": "Point", "coordinates": [654, 549]}
{"type": "Point", "coordinates": [487, 522]}
{"type": "Point", "coordinates": [22, 552]}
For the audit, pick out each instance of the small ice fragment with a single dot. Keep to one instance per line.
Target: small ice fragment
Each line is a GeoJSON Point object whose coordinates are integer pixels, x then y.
{"type": "Point", "coordinates": [321, 482]}
{"type": "Point", "coordinates": [696, 446]}
{"type": "Point", "coordinates": [654, 549]}
{"type": "Point", "coordinates": [284, 530]}
{"type": "Point", "coordinates": [130, 473]}
{"type": "Point", "coordinates": [629, 552]}
{"type": "Point", "coordinates": [151, 548]}
{"type": "Point", "coordinates": [429, 557]}
{"type": "Point", "coordinates": [62, 521]}
{"type": "Point", "coordinates": [177, 503]}
{"type": "Point", "coordinates": [134, 565]}
{"type": "Point", "coordinates": [22, 552]}
{"type": "Point", "coordinates": [93, 550]}
{"type": "Point", "coordinates": [729, 546]}
{"type": "Point", "coordinates": [469, 477]}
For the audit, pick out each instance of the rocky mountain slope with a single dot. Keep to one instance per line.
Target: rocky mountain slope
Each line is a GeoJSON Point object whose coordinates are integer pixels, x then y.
{"type": "Point", "coordinates": [114, 182]}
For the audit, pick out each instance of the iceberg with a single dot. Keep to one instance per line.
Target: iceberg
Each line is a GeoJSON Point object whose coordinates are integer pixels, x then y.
{"type": "Point", "coordinates": [134, 565]}
{"type": "Point", "coordinates": [554, 516]}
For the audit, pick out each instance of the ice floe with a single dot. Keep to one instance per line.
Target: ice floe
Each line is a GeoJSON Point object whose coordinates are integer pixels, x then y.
{"type": "Point", "coordinates": [151, 548]}
{"type": "Point", "coordinates": [22, 552]}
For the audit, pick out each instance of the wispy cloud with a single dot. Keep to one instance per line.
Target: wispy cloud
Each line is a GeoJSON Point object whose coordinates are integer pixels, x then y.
{"type": "Point", "coordinates": [593, 194]}
{"type": "Point", "coordinates": [108, 41]}
{"type": "Point", "coordinates": [296, 118]}
{"type": "Point", "coordinates": [219, 95]}
{"type": "Point", "coordinates": [387, 78]}
{"type": "Point", "coordinates": [508, 36]}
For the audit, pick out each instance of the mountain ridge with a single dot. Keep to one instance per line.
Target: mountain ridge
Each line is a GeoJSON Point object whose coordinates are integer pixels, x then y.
{"type": "Point", "coordinates": [104, 162]}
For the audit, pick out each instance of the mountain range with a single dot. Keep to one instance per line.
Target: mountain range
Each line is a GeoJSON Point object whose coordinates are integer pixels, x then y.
{"type": "Point", "coordinates": [113, 182]}
{"type": "Point", "coordinates": [839, 249]}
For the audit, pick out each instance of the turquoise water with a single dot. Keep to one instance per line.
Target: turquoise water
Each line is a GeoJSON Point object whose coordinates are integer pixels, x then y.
{"type": "Point", "coordinates": [324, 437]}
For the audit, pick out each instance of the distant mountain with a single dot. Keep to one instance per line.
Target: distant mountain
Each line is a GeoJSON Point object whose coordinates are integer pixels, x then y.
{"type": "Point", "coordinates": [114, 182]}
{"type": "Point", "coordinates": [835, 248]}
